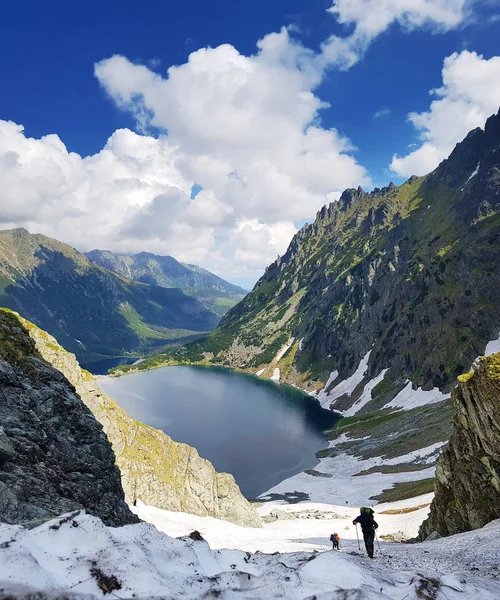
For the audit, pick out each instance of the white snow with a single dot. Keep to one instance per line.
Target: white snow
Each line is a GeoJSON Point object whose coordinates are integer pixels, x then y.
{"type": "Point", "coordinates": [284, 350]}
{"type": "Point", "coordinates": [341, 483]}
{"type": "Point", "coordinates": [366, 396]}
{"type": "Point", "coordinates": [259, 373]}
{"type": "Point", "coordinates": [148, 563]}
{"type": "Point", "coordinates": [492, 347]}
{"type": "Point", "coordinates": [276, 375]}
{"type": "Point", "coordinates": [347, 386]}
{"type": "Point", "coordinates": [409, 398]}
{"type": "Point", "coordinates": [301, 344]}
{"type": "Point", "coordinates": [474, 173]}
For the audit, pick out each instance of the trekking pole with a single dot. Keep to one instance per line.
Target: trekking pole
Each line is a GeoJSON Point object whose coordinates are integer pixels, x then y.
{"type": "Point", "coordinates": [378, 543]}
{"type": "Point", "coordinates": [357, 535]}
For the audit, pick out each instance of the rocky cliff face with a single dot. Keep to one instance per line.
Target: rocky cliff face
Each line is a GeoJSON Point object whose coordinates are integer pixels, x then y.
{"type": "Point", "coordinates": [154, 468]}
{"type": "Point", "coordinates": [468, 471]}
{"type": "Point", "coordinates": [54, 456]}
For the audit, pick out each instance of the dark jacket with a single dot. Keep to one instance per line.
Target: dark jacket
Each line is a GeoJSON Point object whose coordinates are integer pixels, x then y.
{"type": "Point", "coordinates": [367, 522]}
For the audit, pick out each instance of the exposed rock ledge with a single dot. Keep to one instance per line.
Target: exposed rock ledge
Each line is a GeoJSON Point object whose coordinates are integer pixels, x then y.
{"type": "Point", "coordinates": [154, 468]}
{"type": "Point", "coordinates": [468, 472]}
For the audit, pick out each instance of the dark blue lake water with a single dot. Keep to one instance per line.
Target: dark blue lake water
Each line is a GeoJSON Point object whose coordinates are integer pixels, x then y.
{"type": "Point", "coordinates": [259, 431]}
{"type": "Point", "coordinates": [101, 367]}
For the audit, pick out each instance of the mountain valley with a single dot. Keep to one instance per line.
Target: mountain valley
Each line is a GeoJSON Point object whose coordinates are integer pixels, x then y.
{"type": "Point", "coordinates": [94, 312]}
{"type": "Point", "coordinates": [213, 292]}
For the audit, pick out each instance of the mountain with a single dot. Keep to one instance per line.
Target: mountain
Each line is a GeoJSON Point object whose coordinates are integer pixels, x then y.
{"type": "Point", "coordinates": [54, 456]}
{"type": "Point", "coordinates": [406, 278]}
{"type": "Point", "coordinates": [375, 309]}
{"type": "Point", "coordinates": [91, 310]}
{"type": "Point", "coordinates": [154, 469]}
{"type": "Point", "coordinates": [213, 292]}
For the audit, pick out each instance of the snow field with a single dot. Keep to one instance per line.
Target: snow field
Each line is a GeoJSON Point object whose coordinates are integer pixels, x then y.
{"type": "Point", "coordinates": [68, 557]}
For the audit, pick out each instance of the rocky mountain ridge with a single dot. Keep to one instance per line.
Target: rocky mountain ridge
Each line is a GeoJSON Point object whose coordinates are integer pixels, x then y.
{"type": "Point", "coordinates": [216, 294]}
{"type": "Point", "coordinates": [406, 276]}
{"type": "Point", "coordinates": [94, 312]}
{"type": "Point", "coordinates": [154, 469]}
{"type": "Point", "coordinates": [54, 456]}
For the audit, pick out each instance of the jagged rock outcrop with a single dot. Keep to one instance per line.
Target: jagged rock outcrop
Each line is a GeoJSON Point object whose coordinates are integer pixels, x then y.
{"type": "Point", "coordinates": [468, 471]}
{"type": "Point", "coordinates": [54, 455]}
{"type": "Point", "coordinates": [154, 468]}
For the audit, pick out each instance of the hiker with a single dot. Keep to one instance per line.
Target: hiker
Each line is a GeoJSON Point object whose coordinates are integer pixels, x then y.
{"type": "Point", "coordinates": [334, 538]}
{"type": "Point", "coordinates": [368, 526]}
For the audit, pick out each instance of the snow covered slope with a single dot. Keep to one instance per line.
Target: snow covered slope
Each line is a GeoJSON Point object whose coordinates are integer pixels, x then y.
{"type": "Point", "coordinates": [80, 556]}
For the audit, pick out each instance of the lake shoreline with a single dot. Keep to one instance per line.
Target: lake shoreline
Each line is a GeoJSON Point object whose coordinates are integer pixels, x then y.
{"type": "Point", "coordinates": [259, 431]}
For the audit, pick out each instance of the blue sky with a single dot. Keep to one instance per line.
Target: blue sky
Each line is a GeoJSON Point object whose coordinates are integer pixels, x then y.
{"type": "Point", "coordinates": [49, 52]}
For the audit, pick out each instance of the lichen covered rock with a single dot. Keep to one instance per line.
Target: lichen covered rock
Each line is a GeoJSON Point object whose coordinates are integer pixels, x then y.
{"type": "Point", "coordinates": [468, 472]}
{"type": "Point", "coordinates": [155, 469]}
{"type": "Point", "coordinates": [54, 455]}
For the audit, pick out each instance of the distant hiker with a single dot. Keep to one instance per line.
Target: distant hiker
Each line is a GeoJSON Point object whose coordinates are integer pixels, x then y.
{"type": "Point", "coordinates": [368, 526]}
{"type": "Point", "coordinates": [334, 538]}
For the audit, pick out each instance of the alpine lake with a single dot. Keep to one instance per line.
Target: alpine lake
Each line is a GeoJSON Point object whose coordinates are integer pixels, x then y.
{"type": "Point", "coordinates": [258, 430]}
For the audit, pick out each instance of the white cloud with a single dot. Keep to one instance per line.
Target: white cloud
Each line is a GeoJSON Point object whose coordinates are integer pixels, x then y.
{"type": "Point", "coordinates": [369, 18]}
{"type": "Point", "coordinates": [383, 112]}
{"type": "Point", "coordinates": [469, 95]}
{"type": "Point", "coordinates": [246, 126]}
{"type": "Point", "coordinates": [135, 195]}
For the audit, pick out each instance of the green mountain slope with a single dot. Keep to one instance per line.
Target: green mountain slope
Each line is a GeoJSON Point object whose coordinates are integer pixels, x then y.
{"type": "Point", "coordinates": [410, 274]}
{"type": "Point", "coordinates": [91, 310]}
{"type": "Point", "coordinates": [214, 293]}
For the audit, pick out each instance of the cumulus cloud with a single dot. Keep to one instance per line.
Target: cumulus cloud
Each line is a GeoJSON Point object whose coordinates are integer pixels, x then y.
{"type": "Point", "coordinates": [469, 95]}
{"type": "Point", "coordinates": [136, 194]}
{"type": "Point", "coordinates": [247, 126]}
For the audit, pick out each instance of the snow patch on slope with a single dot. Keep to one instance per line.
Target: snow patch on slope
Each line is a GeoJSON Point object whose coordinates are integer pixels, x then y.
{"type": "Point", "coordinates": [409, 398]}
{"type": "Point", "coordinates": [284, 350]}
{"type": "Point", "coordinates": [345, 387]}
{"type": "Point", "coordinates": [474, 173]}
{"type": "Point", "coordinates": [366, 396]}
{"type": "Point", "coordinates": [276, 375]}
{"type": "Point", "coordinates": [342, 483]}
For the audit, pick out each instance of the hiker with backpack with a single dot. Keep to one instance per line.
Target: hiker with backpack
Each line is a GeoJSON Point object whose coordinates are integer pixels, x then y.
{"type": "Point", "coordinates": [368, 527]}
{"type": "Point", "coordinates": [334, 538]}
